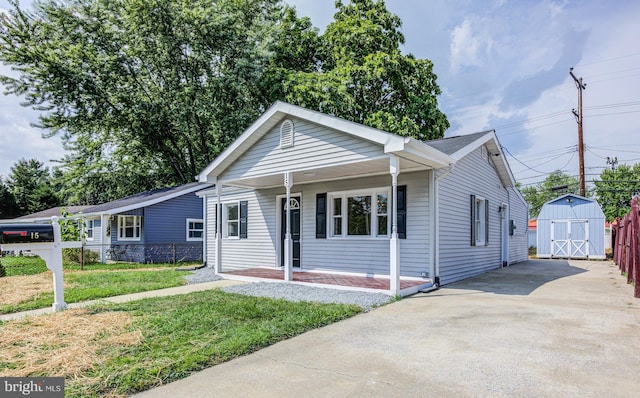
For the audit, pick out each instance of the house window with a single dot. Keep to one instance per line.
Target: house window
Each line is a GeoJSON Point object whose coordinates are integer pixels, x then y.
{"type": "Point", "coordinates": [129, 227]}
{"type": "Point", "coordinates": [362, 213]}
{"type": "Point", "coordinates": [231, 217]}
{"type": "Point", "coordinates": [195, 229]}
{"type": "Point", "coordinates": [479, 221]}
{"type": "Point", "coordinates": [88, 229]}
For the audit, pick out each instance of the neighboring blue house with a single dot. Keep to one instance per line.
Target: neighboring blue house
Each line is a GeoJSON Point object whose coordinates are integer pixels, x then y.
{"type": "Point", "coordinates": [571, 226]}
{"type": "Point", "coordinates": [162, 225]}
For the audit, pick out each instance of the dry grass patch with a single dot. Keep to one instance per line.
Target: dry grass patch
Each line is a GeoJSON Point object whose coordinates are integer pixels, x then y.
{"type": "Point", "coordinates": [17, 289]}
{"type": "Point", "coordinates": [62, 344]}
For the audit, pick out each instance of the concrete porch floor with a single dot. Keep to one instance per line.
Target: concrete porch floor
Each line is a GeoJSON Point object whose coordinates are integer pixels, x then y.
{"type": "Point", "coordinates": [349, 281]}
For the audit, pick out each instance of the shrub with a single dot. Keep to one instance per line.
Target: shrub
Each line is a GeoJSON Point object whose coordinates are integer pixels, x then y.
{"type": "Point", "coordinates": [74, 256]}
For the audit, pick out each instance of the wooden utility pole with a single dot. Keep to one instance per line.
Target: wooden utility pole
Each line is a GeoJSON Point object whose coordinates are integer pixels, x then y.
{"type": "Point", "coordinates": [581, 86]}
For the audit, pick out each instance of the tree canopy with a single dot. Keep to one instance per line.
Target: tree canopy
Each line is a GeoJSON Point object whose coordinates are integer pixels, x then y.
{"type": "Point", "coordinates": [556, 184]}
{"type": "Point", "coordinates": [146, 93]}
{"type": "Point", "coordinates": [30, 186]}
{"type": "Point", "coordinates": [616, 188]}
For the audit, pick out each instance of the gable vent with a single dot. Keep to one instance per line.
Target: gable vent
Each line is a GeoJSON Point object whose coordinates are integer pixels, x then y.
{"type": "Point", "coordinates": [286, 134]}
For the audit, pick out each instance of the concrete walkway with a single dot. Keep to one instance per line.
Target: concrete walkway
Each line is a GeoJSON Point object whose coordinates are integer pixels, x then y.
{"type": "Point", "coordinates": [537, 329]}
{"type": "Point", "coordinates": [172, 291]}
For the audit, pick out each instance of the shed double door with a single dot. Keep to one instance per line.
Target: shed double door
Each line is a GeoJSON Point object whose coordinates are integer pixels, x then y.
{"type": "Point", "coordinates": [570, 238]}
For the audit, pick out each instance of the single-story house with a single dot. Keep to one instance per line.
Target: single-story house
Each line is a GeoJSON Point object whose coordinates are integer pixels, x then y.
{"type": "Point", "coordinates": [361, 201]}
{"type": "Point", "coordinates": [571, 226]}
{"type": "Point", "coordinates": [160, 225]}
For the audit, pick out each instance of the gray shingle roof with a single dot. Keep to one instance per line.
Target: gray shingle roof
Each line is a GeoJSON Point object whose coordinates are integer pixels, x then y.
{"type": "Point", "coordinates": [148, 196]}
{"type": "Point", "coordinates": [54, 211]}
{"type": "Point", "coordinates": [451, 145]}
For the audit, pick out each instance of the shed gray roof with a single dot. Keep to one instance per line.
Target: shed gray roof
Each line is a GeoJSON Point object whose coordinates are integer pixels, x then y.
{"type": "Point", "coordinates": [54, 211]}
{"type": "Point", "coordinates": [451, 145]}
{"type": "Point", "coordinates": [147, 198]}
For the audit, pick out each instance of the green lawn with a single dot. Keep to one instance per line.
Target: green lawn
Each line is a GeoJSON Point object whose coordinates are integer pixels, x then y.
{"type": "Point", "coordinates": [186, 333]}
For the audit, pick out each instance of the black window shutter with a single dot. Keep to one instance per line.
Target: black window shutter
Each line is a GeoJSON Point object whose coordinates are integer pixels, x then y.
{"type": "Point", "coordinates": [215, 229]}
{"type": "Point", "coordinates": [321, 216]}
{"type": "Point", "coordinates": [473, 220]}
{"type": "Point", "coordinates": [243, 219]}
{"type": "Point", "coordinates": [402, 212]}
{"type": "Point", "coordinates": [486, 223]}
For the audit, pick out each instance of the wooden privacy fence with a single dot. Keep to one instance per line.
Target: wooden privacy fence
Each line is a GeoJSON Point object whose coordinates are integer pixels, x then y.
{"type": "Point", "coordinates": [626, 245]}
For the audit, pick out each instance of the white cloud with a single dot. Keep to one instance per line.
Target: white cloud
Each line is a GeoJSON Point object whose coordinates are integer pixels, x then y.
{"type": "Point", "coordinates": [464, 47]}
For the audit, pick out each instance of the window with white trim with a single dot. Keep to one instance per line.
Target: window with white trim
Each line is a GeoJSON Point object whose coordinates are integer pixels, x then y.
{"type": "Point", "coordinates": [231, 220]}
{"type": "Point", "coordinates": [88, 229]}
{"type": "Point", "coordinates": [479, 221]}
{"type": "Point", "coordinates": [129, 227]}
{"type": "Point", "coordinates": [195, 229]}
{"type": "Point", "coordinates": [359, 213]}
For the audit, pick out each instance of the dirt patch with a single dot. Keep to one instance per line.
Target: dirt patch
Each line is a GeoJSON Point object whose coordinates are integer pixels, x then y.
{"type": "Point", "coordinates": [17, 289]}
{"type": "Point", "coordinates": [61, 344]}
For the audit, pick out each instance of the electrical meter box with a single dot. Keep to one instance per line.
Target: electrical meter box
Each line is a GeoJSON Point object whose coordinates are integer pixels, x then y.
{"type": "Point", "coordinates": [25, 233]}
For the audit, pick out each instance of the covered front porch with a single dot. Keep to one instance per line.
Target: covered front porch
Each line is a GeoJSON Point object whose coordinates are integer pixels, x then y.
{"type": "Point", "coordinates": [377, 284]}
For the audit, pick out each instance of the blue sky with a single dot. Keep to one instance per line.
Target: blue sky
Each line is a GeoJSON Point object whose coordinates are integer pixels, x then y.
{"type": "Point", "coordinates": [501, 65]}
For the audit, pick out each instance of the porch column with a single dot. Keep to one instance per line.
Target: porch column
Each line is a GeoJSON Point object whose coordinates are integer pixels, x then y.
{"type": "Point", "coordinates": [104, 240]}
{"type": "Point", "coordinates": [288, 254]}
{"type": "Point", "coordinates": [218, 252]}
{"type": "Point", "coordinates": [394, 243]}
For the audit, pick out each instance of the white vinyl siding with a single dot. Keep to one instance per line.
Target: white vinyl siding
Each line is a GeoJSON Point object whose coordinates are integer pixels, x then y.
{"type": "Point", "coordinates": [258, 250]}
{"type": "Point", "coordinates": [518, 242]}
{"type": "Point", "coordinates": [362, 255]}
{"type": "Point", "coordinates": [472, 175]}
{"type": "Point", "coordinates": [315, 146]}
{"type": "Point", "coordinates": [365, 255]}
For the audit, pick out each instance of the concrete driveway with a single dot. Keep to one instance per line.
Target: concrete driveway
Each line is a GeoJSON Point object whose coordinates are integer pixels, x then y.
{"type": "Point", "coordinates": [537, 329]}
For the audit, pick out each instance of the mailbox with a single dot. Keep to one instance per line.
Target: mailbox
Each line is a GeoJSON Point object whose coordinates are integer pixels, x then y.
{"type": "Point", "coordinates": [25, 233]}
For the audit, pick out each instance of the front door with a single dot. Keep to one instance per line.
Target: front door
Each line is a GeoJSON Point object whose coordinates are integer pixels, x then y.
{"type": "Point", "coordinates": [294, 209]}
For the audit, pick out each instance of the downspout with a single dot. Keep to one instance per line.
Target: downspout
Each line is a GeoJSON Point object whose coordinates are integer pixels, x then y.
{"type": "Point", "coordinates": [435, 263]}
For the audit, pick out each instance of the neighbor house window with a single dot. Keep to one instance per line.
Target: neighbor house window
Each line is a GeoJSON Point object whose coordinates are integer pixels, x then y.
{"type": "Point", "coordinates": [361, 213]}
{"type": "Point", "coordinates": [231, 217]}
{"type": "Point", "coordinates": [129, 227]}
{"type": "Point", "coordinates": [88, 229]}
{"type": "Point", "coordinates": [479, 221]}
{"type": "Point", "coordinates": [195, 229]}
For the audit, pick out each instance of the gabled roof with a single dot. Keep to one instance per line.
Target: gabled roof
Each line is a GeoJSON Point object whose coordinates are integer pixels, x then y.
{"type": "Point", "coordinates": [406, 147]}
{"type": "Point", "coordinates": [451, 145]}
{"type": "Point", "coordinates": [569, 195]}
{"type": "Point", "coordinates": [145, 199]}
{"type": "Point", "coordinates": [460, 146]}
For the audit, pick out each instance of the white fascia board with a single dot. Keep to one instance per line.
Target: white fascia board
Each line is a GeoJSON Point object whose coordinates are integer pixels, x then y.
{"type": "Point", "coordinates": [460, 153]}
{"type": "Point", "coordinates": [432, 155]}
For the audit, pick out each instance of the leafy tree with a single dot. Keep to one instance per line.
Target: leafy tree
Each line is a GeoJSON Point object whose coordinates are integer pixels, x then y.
{"type": "Point", "coordinates": [362, 75]}
{"type": "Point", "coordinates": [165, 83]}
{"type": "Point", "coordinates": [146, 93]}
{"type": "Point", "coordinates": [7, 201]}
{"type": "Point", "coordinates": [616, 188]}
{"type": "Point", "coordinates": [30, 184]}
{"type": "Point", "coordinates": [556, 184]}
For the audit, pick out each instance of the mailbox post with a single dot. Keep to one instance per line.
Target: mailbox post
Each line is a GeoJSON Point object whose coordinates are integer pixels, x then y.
{"type": "Point", "coordinates": [44, 240]}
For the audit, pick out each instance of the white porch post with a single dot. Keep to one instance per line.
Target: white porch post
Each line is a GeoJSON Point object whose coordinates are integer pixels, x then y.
{"type": "Point", "coordinates": [394, 243]}
{"type": "Point", "coordinates": [288, 254]}
{"type": "Point", "coordinates": [104, 240]}
{"type": "Point", "coordinates": [218, 252]}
